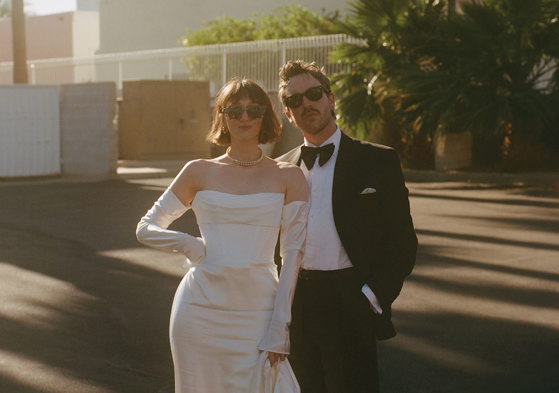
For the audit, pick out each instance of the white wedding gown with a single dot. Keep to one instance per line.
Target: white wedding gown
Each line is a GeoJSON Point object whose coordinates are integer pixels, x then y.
{"type": "Point", "coordinates": [225, 309]}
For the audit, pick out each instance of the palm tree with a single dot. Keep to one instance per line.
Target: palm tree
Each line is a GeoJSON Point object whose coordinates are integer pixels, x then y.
{"type": "Point", "coordinates": [491, 69]}
{"type": "Point", "coordinates": [19, 46]}
{"type": "Point", "coordinates": [451, 7]}
{"type": "Point", "coordinates": [370, 103]}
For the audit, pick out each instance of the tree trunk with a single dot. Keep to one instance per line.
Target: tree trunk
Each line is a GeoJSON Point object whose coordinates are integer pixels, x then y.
{"type": "Point", "coordinates": [451, 7]}
{"type": "Point", "coordinates": [19, 46]}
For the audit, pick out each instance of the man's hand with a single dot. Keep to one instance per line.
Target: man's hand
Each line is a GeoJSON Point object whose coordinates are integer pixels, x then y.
{"type": "Point", "coordinates": [375, 310]}
{"type": "Point", "coordinates": [274, 357]}
{"type": "Point", "coordinates": [373, 301]}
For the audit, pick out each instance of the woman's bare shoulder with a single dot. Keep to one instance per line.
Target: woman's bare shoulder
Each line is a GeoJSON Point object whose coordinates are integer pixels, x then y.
{"type": "Point", "coordinates": [283, 165]}
{"type": "Point", "coordinates": [288, 169]}
{"type": "Point", "coordinates": [296, 185]}
{"type": "Point", "coordinates": [200, 165]}
{"type": "Point", "coordinates": [191, 175]}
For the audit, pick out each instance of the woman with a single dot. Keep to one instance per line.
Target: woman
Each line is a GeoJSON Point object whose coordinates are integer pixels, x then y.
{"type": "Point", "coordinates": [230, 305]}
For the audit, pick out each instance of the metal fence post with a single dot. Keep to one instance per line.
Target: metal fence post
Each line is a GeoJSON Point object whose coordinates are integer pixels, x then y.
{"type": "Point", "coordinates": [33, 74]}
{"type": "Point", "coordinates": [223, 67]}
{"type": "Point", "coordinates": [119, 80]}
{"type": "Point", "coordinates": [170, 77]}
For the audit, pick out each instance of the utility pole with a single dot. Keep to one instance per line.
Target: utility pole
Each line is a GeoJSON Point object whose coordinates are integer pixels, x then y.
{"type": "Point", "coordinates": [19, 45]}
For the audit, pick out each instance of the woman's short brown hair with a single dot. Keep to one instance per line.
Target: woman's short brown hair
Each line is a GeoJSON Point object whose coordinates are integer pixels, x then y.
{"type": "Point", "coordinates": [232, 92]}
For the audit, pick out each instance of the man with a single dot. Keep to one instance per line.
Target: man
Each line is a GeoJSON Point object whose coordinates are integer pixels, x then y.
{"type": "Point", "coordinates": [360, 243]}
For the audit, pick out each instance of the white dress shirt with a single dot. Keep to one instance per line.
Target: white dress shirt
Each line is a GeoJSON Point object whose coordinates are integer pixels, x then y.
{"type": "Point", "coordinates": [323, 249]}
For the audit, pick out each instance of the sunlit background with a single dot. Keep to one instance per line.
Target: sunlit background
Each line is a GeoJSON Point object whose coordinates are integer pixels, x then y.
{"type": "Point", "coordinates": [119, 96]}
{"type": "Point", "coordinates": [46, 7]}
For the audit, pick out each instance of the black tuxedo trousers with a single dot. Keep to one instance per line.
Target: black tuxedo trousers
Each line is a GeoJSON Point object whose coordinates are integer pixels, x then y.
{"type": "Point", "coordinates": [333, 350]}
{"type": "Point", "coordinates": [333, 331]}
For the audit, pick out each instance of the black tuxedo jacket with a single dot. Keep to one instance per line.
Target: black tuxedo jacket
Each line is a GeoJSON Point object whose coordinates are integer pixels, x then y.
{"type": "Point", "coordinates": [375, 229]}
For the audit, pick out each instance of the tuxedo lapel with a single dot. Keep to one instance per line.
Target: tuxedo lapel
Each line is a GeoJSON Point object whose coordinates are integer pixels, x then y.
{"type": "Point", "coordinates": [342, 172]}
{"type": "Point", "coordinates": [342, 175]}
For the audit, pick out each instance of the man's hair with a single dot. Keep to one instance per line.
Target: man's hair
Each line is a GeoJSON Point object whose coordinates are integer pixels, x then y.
{"type": "Point", "coordinates": [296, 67]}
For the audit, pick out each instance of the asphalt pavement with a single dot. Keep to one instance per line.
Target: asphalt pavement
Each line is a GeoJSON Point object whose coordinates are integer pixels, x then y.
{"type": "Point", "coordinates": [85, 308]}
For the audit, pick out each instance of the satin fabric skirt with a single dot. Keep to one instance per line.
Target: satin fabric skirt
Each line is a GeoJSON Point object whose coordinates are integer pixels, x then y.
{"type": "Point", "coordinates": [214, 348]}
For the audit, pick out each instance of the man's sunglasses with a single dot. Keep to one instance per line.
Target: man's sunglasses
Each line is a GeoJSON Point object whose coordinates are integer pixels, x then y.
{"type": "Point", "coordinates": [313, 94]}
{"type": "Point", "coordinates": [236, 112]}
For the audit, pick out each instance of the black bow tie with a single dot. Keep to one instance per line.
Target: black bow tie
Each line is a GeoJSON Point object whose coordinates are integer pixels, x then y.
{"type": "Point", "coordinates": [308, 154]}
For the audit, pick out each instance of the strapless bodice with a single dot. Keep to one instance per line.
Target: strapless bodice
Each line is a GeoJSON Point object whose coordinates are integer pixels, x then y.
{"type": "Point", "coordinates": [227, 220]}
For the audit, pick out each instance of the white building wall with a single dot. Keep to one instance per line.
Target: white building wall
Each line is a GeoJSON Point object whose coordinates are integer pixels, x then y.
{"type": "Point", "coordinates": [85, 33]}
{"type": "Point", "coordinates": [29, 131]}
{"type": "Point", "coordinates": [130, 25]}
{"type": "Point", "coordinates": [67, 34]}
{"type": "Point", "coordinates": [88, 5]}
{"type": "Point", "coordinates": [85, 42]}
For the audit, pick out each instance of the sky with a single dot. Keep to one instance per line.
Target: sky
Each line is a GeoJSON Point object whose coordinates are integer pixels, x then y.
{"type": "Point", "coordinates": [45, 7]}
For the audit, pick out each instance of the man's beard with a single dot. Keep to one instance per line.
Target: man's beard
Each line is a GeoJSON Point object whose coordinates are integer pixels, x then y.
{"type": "Point", "coordinates": [313, 127]}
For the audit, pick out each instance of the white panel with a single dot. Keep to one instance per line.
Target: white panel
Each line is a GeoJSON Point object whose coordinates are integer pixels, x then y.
{"type": "Point", "coordinates": [88, 136]}
{"type": "Point", "coordinates": [29, 131]}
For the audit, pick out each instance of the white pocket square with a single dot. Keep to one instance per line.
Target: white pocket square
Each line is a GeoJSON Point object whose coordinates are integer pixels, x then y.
{"type": "Point", "coordinates": [368, 190]}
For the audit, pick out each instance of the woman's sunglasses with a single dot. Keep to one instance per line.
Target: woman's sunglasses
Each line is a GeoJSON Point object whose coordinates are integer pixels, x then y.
{"type": "Point", "coordinates": [313, 94]}
{"type": "Point", "coordinates": [236, 112]}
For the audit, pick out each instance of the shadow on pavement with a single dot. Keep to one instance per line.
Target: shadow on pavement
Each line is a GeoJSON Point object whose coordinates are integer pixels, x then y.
{"type": "Point", "coordinates": [479, 312]}
{"type": "Point", "coordinates": [508, 201]}
{"type": "Point", "coordinates": [429, 257]}
{"type": "Point", "coordinates": [85, 308]}
{"type": "Point", "coordinates": [71, 313]}
{"type": "Point", "coordinates": [452, 352]}
{"type": "Point", "coordinates": [550, 224]}
{"type": "Point", "coordinates": [489, 239]}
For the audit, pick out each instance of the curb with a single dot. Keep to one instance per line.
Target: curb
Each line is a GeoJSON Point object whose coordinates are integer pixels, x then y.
{"type": "Point", "coordinates": [130, 170]}
{"type": "Point", "coordinates": [511, 179]}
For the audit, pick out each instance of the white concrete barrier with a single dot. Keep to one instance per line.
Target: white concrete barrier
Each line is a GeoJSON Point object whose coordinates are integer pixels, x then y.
{"type": "Point", "coordinates": [29, 131]}
{"type": "Point", "coordinates": [89, 138]}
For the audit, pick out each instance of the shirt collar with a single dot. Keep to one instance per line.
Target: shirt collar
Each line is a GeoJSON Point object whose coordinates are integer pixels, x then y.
{"type": "Point", "coordinates": [334, 138]}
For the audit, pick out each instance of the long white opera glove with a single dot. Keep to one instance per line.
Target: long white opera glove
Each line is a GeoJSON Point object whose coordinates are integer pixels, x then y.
{"type": "Point", "coordinates": [292, 241]}
{"type": "Point", "coordinates": [152, 229]}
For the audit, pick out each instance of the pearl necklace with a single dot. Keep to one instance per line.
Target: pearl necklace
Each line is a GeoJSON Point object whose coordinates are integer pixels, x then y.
{"type": "Point", "coordinates": [245, 163]}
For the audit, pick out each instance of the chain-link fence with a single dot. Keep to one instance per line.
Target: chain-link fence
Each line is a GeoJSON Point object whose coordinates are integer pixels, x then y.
{"type": "Point", "coordinates": [258, 60]}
